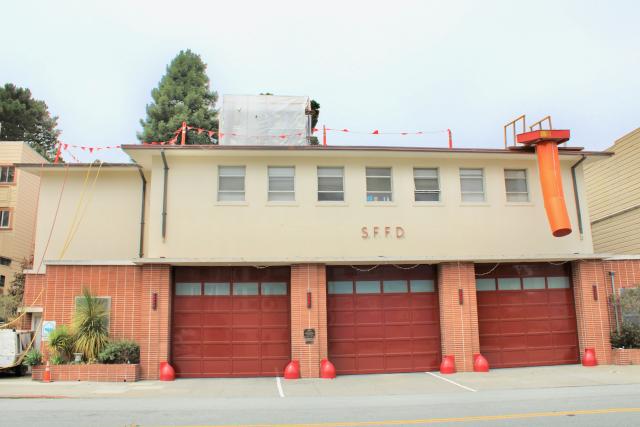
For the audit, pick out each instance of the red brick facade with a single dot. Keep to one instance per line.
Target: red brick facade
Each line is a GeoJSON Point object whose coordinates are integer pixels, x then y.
{"type": "Point", "coordinates": [99, 373]}
{"type": "Point", "coordinates": [308, 278]}
{"type": "Point", "coordinates": [135, 289]}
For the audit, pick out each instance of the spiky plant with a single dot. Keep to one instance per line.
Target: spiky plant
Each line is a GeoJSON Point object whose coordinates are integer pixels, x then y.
{"type": "Point", "coordinates": [90, 326]}
{"type": "Point", "coordinates": [61, 342]}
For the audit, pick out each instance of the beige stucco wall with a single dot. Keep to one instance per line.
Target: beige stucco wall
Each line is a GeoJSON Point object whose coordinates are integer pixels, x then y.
{"type": "Point", "coordinates": [256, 231]}
{"type": "Point", "coordinates": [613, 187]}
{"type": "Point", "coordinates": [21, 197]}
{"type": "Point", "coordinates": [108, 220]}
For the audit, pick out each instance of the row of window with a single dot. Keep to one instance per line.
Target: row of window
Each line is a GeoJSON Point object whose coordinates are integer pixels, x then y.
{"type": "Point", "coordinates": [518, 283]}
{"type": "Point", "coordinates": [225, 288]}
{"type": "Point", "coordinates": [346, 287]}
{"type": "Point", "coordinates": [281, 187]}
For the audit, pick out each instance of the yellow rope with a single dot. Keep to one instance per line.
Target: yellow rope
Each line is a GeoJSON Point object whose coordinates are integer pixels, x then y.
{"type": "Point", "coordinates": [77, 211]}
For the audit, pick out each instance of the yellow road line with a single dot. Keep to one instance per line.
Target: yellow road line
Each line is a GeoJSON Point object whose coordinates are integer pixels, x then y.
{"type": "Point", "coordinates": [440, 420]}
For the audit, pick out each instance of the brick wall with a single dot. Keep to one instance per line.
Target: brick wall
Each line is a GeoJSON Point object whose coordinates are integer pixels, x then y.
{"type": "Point", "coordinates": [130, 289]}
{"type": "Point", "coordinates": [458, 322]}
{"type": "Point", "coordinates": [99, 373]}
{"type": "Point", "coordinates": [310, 277]}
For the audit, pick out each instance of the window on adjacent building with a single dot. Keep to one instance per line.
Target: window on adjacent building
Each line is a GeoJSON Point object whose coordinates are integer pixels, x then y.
{"type": "Point", "coordinates": [5, 261]}
{"type": "Point", "coordinates": [7, 174]}
{"type": "Point", "coordinates": [515, 181]}
{"type": "Point", "coordinates": [104, 301]}
{"type": "Point", "coordinates": [231, 183]}
{"type": "Point", "coordinates": [472, 185]}
{"type": "Point", "coordinates": [330, 184]}
{"type": "Point", "coordinates": [281, 183]}
{"type": "Point", "coordinates": [2, 279]}
{"type": "Point", "coordinates": [427, 185]}
{"type": "Point", "coordinates": [379, 185]}
{"type": "Point", "coordinates": [5, 217]}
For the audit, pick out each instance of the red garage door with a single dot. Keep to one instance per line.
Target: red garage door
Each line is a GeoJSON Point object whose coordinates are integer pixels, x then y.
{"type": "Point", "coordinates": [526, 315]}
{"type": "Point", "coordinates": [382, 319]}
{"type": "Point", "coordinates": [230, 322]}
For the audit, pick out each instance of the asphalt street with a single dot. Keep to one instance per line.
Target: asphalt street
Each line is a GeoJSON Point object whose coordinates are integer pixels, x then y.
{"type": "Point", "coordinates": [563, 396]}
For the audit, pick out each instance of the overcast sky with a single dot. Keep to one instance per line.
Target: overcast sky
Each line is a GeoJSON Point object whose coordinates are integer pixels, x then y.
{"type": "Point", "coordinates": [395, 65]}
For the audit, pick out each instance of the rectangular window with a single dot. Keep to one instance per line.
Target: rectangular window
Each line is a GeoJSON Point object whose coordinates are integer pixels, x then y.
{"type": "Point", "coordinates": [367, 287]}
{"type": "Point", "coordinates": [395, 287]}
{"type": "Point", "coordinates": [5, 216]}
{"type": "Point", "coordinates": [274, 288]}
{"type": "Point", "coordinates": [512, 284]}
{"type": "Point", "coordinates": [485, 285]}
{"type": "Point", "coordinates": [427, 185]}
{"type": "Point", "coordinates": [330, 184]}
{"type": "Point", "coordinates": [515, 181]}
{"type": "Point", "coordinates": [5, 261]}
{"type": "Point", "coordinates": [189, 289]}
{"type": "Point", "coordinates": [560, 282]}
{"type": "Point", "coordinates": [217, 289]}
{"type": "Point", "coordinates": [533, 282]}
{"type": "Point", "coordinates": [281, 184]}
{"type": "Point", "coordinates": [340, 287]}
{"type": "Point", "coordinates": [7, 174]}
{"type": "Point", "coordinates": [245, 288]}
{"type": "Point", "coordinates": [472, 185]}
{"type": "Point", "coordinates": [105, 301]}
{"type": "Point", "coordinates": [2, 279]}
{"type": "Point", "coordinates": [419, 286]}
{"type": "Point", "coordinates": [379, 185]}
{"type": "Point", "coordinates": [231, 183]}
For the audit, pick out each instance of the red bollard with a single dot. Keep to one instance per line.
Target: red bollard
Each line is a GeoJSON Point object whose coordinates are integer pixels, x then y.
{"type": "Point", "coordinates": [292, 370]}
{"type": "Point", "coordinates": [448, 365]}
{"type": "Point", "coordinates": [589, 358]}
{"type": "Point", "coordinates": [167, 373]}
{"type": "Point", "coordinates": [327, 370]}
{"type": "Point", "coordinates": [480, 364]}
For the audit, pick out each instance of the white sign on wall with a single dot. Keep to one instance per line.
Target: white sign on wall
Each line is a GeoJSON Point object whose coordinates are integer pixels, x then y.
{"type": "Point", "coordinates": [47, 327]}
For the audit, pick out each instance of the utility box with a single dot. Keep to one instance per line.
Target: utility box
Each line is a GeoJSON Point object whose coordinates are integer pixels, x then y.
{"type": "Point", "coordinates": [264, 120]}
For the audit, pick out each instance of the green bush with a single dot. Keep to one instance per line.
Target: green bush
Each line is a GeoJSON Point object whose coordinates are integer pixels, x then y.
{"type": "Point", "coordinates": [629, 336]}
{"type": "Point", "coordinates": [32, 358]}
{"type": "Point", "coordinates": [90, 325]}
{"type": "Point", "coordinates": [61, 342]}
{"type": "Point", "coordinates": [120, 352]}
{"type": "Point", "coordinates": [57, 359]}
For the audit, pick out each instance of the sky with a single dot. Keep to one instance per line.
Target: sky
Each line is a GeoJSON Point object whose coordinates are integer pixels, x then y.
{"type": "Point", "coordinates": [468, 66]}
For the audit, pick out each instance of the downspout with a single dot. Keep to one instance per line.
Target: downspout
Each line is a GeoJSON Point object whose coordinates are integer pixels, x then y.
{"type": "Point", "coordinates": [164, 194]}
{"type": "Point", "coordinates": [614, 299]}
{"type": "Point", "coordinates": [142, 212]}
{"type": "Point", "coordinates": [575, 194]}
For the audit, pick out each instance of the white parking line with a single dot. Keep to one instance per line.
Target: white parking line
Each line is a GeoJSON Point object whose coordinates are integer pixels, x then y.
{"type": "Point", "coordinates": [279, 384]}
{"type": "Point", "coordinates": [452, 382]}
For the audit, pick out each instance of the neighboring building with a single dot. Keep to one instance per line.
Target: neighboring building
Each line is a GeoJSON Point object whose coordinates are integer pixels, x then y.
{"type": "Point", "coordinates": [231, 261]}
{"type": "Point", "coordinates": [18, 206]}
{"type": "Point", "coordinates": [613, 192]}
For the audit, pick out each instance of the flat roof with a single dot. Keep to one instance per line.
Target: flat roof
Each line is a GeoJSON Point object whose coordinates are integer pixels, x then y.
{"type": "Point", "coordinates": [36, 167]}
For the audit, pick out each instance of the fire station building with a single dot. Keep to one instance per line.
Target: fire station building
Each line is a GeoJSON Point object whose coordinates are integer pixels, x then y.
{"type": "Point", "coordinates": [232, 261]}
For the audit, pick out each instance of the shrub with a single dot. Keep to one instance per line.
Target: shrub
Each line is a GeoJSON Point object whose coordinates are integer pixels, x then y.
{"type": "Point", "coordinates": [32, 358]}
{"type": "Point", "coordinates": [61, 342]}
{"type": "Point", "coordinates": [629, 336]}
{"type": "Point", "coordinates": [57, 359]}
{"type": "Point", "coordinates": [120, 352]}
{"type": "Point", "coordinates": [90, 326]}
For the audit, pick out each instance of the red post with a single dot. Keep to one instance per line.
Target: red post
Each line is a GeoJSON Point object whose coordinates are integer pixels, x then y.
{"type": "Point", "coordinates": [55, 161]}
{"type": "Point", "coordinates": [450, 138]}
{"type": "Point", "coordinates": [324, 135]}
{"type": "Point", "coordinates": [184, 133]}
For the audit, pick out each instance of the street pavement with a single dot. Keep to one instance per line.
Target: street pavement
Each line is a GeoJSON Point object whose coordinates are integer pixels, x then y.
{"type": "Point", "coordinates": [562, 395]}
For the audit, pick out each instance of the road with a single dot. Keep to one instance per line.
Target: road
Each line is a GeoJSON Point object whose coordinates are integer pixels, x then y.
{"type": "Point", "coordinates": [567, 396]}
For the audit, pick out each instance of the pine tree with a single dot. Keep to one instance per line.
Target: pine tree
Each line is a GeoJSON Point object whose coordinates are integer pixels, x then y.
{"type": "Point", "coordinates": [23, 118]}
{"type": "Point", "coordinates": [183, 94]}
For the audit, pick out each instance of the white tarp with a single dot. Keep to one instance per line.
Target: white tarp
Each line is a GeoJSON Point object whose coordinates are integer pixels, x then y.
{"type": "Point", "coordinates": [263, 120]}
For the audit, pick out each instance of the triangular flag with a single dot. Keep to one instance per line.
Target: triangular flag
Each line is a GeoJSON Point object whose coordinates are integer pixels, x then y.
{"type": "Point", "coordinates": [375, 132]}
{"type": "Point", "coordinates": [91, 149]}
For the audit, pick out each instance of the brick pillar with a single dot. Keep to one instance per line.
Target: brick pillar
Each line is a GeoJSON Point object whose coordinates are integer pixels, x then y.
{"type": "Point", "coordinates": [592, 316]}
{"type": "Point", "coordinates": [154, 325]}
{"type": "Point", "coordinates": [304, 278]}
{"type": "Point", "coordinates": [458, 322]}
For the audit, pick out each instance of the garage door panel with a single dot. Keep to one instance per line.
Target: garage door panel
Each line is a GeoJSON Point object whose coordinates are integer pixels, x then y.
{"type": "Point", "coordinates": [399, 301]}
{"type": "Point", "coordinates": [506, 298]}
{"type": "Point", "coordinates": [241, 350]}
{"type": "Point", "coordinates": [245, 334]}
{"type": "Point", "coordinates": [397, 316]}
{"type": "Point", "coordinates": [425, 315]}
{"type": "Point", "coordinates": [425, 345]}
{"type": "Point", "coordinates": [275, 319]}
{"type": "Point", "coordinates": [394, 346]}
{"type": "Point", "coordinates": [246, 303]}
{"type": "Point", "coordinates": [425, 362]}
{"type": "Point", "coordinates": [397, 331]}
{"type": "Point", "coordinates": [275, 334]}
{"type": "Point", "coordinates": [216, 303]}
{"type": "Point", "coordinates": [187, 319]}
{"type": "Point", "coordinates": [561, 296]}
{"type": "Point", "coordinates": [184, 335]}
{"type": "Point", "coordinates": [402, 363]}
{"type": "Point", "coordinates": [275, 304]}
{"type": "Point", "coordinates": [539, 340]}
{"type": "Point", "coordinates": [221, 334]}
{"type": "Point", "coordinates": [364, 301]}
{"type": "Point", "coordinates": [216, 367]}
{"type": "Point", "coordinates": [563, 325]}
{"type": "Point", "coordinates": [344, 363]}
{"type": "Point", "coordinates": [276, 350]}
{"type": "Point", "coordinates": [369, 317]}
{"type": "Point", "coordinates": [189, 350]}
{"type": "Point", "coordinates": [561, 311]}
{"type": "Point", "coordinates": [342, 302]}
{"type": "Point", "coordinates": [541, 325]}
{"type": "Point", "coordinates": [341, 332]}
{"type": "Point", "coordinates": [490, 312]}
{"type": "Point", "coordinates": [508, 327]}
{"type": "Point", "coordinates": [427, 331]}
{"type": "Point", "coordinates": [341, 317]}
{"type": "Point", "coordinates": [216, 319]}
{"type": "Point", "coordinates": [370, 347]}
{"type": "Point", "coordinates": [369, 331]}
{"type": "Point", "coordinates": [427, 300]}
{"type": "Point", "coordinates": [343, 348]}
{"type": "Point", "coordinates": [188, 367]}
{"type": "Point", "coordinates": [371, 363]}
{"type": "Point", "coordinates": [251, 318]}
{"type": "Point", "coordinates": [566, 355]}
{"type": "Point", "coordinates": [217, 349]}
{"type": "Point", "coordinates": [568, 339]}
{"type": "Point", "coordinates": [185, 303]}
{"type": "Point", "coordinates": [536, 311]}
{"type": "Point", "coordinates": [249, 367]}
{"type": "Point", "coordinates": [536, 297]}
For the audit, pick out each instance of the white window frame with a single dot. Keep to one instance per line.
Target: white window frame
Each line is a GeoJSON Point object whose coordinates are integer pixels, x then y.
{"type": "Point", "coordinates": [292, 191]}
{"type": "Point", "coordinates": [327, 191]}
{"type": "Point", "coordinates": [5, 212]}
{"type": "Point", "coordinates": [526, 184]}
{"type": "Point", "coordinates": [4, 173]}
{"type": "Point", "coordinates": [416, 191]}
{"type": "Point", "coordinates": [484, 187]}
{"type": "Point", "coordinates": [367, 176]}
{"type": "Point", "coordinates": [244, 182]}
